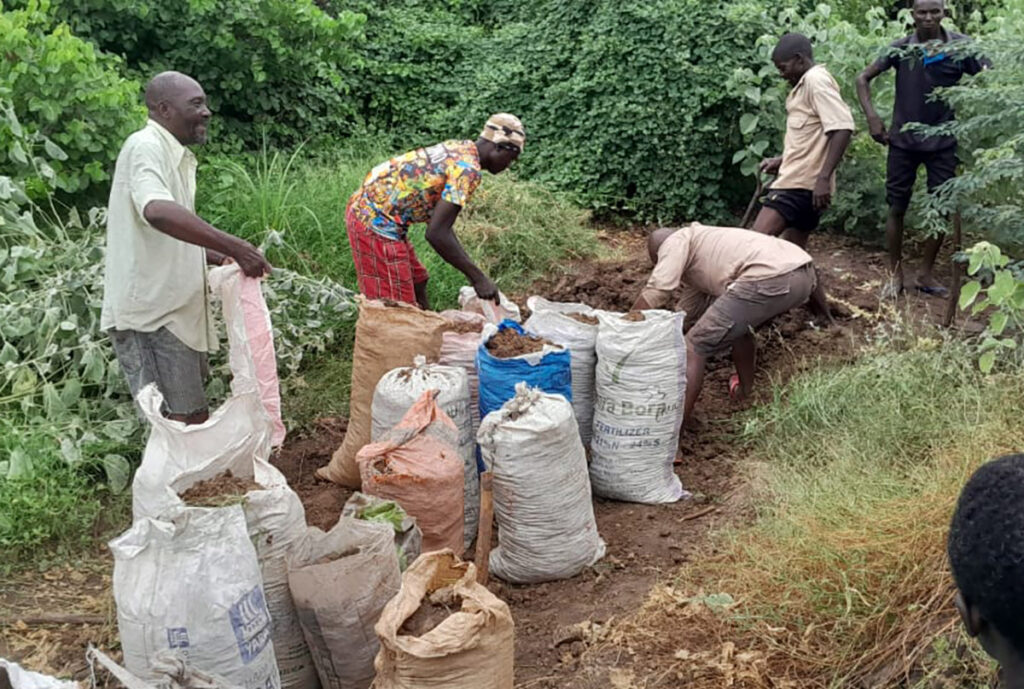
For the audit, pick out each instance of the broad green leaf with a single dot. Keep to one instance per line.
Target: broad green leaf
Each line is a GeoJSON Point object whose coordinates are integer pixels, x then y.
{"type": "Point", "coordinates": [9, 354]}
{"type": "Point", "coordinates": [17, 153]}
{"type": "Point", "coordinates": [20, 464]}
{"type": "Point", "coordinates": [70, 451]}
{"type": "Point", "coordinates": [986, 361]}
{"type": "Point", "coordinates": [997, 324]}
{"type": "Point", "coordinates": [738, 156]}
{"type": "Point", "coordinates": [71, 392]}
{"type": "Point", "coordinates": [968, 293]}
{"type": "Point", "coordinates": [1002, 287]}
{"type": "Point", "coordinates": [748, 123]}
{"type": "Point", "coordinates": [753, 93]}
{"type": "Point", "coordinates": [52, 403]}
{"type": "Point", "coordinates": [54, 151]}
{"type": "Point", "coordinates": [118, 471]}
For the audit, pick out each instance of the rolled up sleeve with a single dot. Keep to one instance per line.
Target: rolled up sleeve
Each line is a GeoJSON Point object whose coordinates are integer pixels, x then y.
{"type": "Point", "coordinates": [832, 110]}
{"type": "Point", "coordinates": [148, 179]}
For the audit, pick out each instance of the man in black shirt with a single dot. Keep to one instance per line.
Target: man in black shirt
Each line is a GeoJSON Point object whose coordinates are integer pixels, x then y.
{"type": "Point", "coordinates": [924, 60]}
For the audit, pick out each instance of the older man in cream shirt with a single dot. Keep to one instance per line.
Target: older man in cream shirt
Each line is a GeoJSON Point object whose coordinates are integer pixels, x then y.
{"type": "Point", "coordinates": [155, 305]}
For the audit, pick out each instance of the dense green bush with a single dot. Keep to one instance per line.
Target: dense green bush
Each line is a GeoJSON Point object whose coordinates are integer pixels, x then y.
{"type": "Point", "coordinates": [623, 102]}
{"type": "Point", "coordinates": [60, 90]}
{"type": "Point", "coordinates": [282, 67]}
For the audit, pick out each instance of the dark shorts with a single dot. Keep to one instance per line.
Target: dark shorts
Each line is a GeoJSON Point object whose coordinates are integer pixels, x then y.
{"type": "Point", "coordinates": [746, 305]}
{"type": "Point", "coordinates": [901, 172]}
{"type": "Point", "coordinates": [796, 206]}
{"type": "Point", "coordinates": [159, 357]}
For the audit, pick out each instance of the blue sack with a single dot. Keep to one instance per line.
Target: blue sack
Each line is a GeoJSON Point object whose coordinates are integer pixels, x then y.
{"type": "Point", "coordinates": [550, 372]}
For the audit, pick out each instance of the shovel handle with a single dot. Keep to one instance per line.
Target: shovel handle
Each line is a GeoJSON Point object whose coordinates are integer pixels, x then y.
{"type": "Point", "coordinates": [483, 534]}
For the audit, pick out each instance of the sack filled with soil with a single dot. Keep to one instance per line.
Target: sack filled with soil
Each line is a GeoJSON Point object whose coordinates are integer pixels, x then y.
{"type": "Point", "coordinates": [386, 337]}
{"type": "Point", "coordinates": [459, 343]}
{"type": "Point", "coordinates": [348, 576]}
{"type": "Point", "coordinates": [508, 355]}
{"type": "Point", "coordinates": [542, 501]}
{"type": "Point", "coordinates": [417, 465]}
{"type": "Point", "coordinates": [193, 583]}
{"type": "Point", "coordinates": [640, 384]}
{"type": "Point", "coordinates": [575, 327]}
{"type": "Point", "coordinates": [444, 630]}
{"type": "Point", "coordinates": [399, 389]}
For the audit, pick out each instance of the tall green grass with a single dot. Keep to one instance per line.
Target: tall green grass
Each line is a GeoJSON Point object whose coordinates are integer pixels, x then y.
{"type": "Point", "coordinates": [842, 580]}
{"type": "Point", "coordinates": [295, 205]}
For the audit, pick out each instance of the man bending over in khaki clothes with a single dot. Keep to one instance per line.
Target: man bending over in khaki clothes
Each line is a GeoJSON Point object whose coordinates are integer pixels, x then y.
{"type": "Point", "coordinates": [750, 277]}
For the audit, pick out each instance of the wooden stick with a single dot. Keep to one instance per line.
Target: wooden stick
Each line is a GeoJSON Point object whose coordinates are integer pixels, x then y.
{"type": "Point", "coordinates": [959, 272]}
{"type": "Point", "coordinates": [748, 215]}
{"type": "Point", "coordinates": [483, 533]}
{"type": "Point", "coordinates": [49, 619]}
{"type": "Point", "coordinates": [698, 514]}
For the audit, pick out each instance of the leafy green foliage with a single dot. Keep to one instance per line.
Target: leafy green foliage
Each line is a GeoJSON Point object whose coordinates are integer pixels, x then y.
{"type": "Point", "coordinates": [998, 288]}
{"type": "Point", "coordinates": [282, 67]}
{"type": "Point", "coordinates": [622, 101]}
{"type": "Point", "coordinates": [65, 98]}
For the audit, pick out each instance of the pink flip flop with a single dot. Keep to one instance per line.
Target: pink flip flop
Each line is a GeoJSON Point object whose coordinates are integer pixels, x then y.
{"type": "Point", "coordinates": [734, 386]}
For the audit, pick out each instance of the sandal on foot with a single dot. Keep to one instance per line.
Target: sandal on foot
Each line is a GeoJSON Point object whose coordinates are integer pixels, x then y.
{"type": "Point", "coordinates": [734, 386]}
{"type": "Point", "coordinates": [933, 291]}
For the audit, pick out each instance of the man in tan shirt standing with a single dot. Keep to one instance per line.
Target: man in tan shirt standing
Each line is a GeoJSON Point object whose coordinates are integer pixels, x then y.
{"type": "Point", "coordinates": [154, 298]}
{"type": "Point", "coordinates": [750, 277]}
{"type": "Point", "coordinates": [819, 125]}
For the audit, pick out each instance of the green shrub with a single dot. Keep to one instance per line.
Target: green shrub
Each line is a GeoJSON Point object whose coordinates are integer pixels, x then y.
{"type": "Point", "coordinates": [282, 67]}
{"type": "Point", "coordinates": [623, 102]}
{"type": "Point", "coordinates": [60, 88]}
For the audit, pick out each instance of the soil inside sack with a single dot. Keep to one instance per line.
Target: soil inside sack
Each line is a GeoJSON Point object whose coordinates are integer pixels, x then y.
{"type": "Point", "coordinates": [633, 317]}
{"type": "Point", "coordinates": [462, 328]}
{"type": "Point", "coordinates": [432, 612]}
{"type": "Point", "coordinates": [223, 489]}
{"type": "Point", "coordinates": [583, 318]}
{"type": "Point", "coordinates": [507, 344]}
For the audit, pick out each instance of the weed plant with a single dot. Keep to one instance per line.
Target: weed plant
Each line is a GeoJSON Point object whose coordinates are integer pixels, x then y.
{"type": "Point", "coordinates": [843, 580]}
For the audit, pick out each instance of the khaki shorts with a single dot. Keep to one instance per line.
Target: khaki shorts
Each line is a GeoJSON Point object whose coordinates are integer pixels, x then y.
{"type": "Point", "coordinates": [746, 305]}
{"type": "Point", "coordinates": [159, 357]}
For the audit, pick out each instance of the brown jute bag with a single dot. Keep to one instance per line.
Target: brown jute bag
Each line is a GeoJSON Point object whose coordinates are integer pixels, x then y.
{"type": "Point", "coordinates": [472, 648]}
{"type": "Point", "coordinates": [387, 337]}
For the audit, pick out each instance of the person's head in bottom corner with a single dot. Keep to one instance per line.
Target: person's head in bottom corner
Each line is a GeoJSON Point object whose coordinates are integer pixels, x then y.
{"type": "Point", "coordinates": [986, 554]}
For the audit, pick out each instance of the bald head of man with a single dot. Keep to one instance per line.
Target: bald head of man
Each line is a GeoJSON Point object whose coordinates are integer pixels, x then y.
{"type": "Point", "coordinates": [178, 103]}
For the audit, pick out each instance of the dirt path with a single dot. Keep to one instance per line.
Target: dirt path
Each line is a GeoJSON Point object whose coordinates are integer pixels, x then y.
{"type": "Point", "coordinates": [645, 543]}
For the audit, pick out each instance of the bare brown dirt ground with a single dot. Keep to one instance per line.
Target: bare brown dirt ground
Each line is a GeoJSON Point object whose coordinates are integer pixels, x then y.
{"type": "Point", "coordinates": [568, 633]}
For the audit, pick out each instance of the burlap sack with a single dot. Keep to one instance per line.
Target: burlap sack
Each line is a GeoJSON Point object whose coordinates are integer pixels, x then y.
{"type": "Point", "coordinates": [473, 648]}
{"type": "Point", "coordinates": [386, 337]}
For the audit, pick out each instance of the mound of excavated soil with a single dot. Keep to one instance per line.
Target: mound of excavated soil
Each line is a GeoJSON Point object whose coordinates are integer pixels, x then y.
{"type": "Point", "coordinates": [583, 318]}
{"type": "Point", "coordinates": [220, 490]}
{"type": "Point", "coordinates": [508, 343]}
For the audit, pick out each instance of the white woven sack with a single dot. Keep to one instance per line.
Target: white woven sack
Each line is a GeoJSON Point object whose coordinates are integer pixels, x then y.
{"type": "Point", "coordinates": [192, 584]}
{"type": "Point", "coordinates": [494, 313]}
{"type": "Point", "coordinates": [640, 383]}
{"type": "Point", "coordinates": [542, 501]}
{"type": "Point", "coordinates": [550, 319]}
{"type": "Point", "coordinates": [459, 349]}
{"type": "Point", "coordinates": [399, 389]}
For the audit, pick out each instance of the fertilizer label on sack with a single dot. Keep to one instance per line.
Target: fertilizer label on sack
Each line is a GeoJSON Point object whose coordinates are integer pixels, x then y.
{"type": "Point", "coordinates": [177, 637]}
{"type": "Point", "coordinates": [250, 621]}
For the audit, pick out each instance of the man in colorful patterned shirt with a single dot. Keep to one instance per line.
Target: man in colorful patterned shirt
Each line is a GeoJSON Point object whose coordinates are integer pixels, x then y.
{"type": "Point", "coordinates": [428, 185]}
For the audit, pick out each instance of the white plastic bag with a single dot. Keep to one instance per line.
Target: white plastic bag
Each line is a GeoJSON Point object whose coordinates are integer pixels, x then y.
{"type": "Point", "coordinates": [640, 383]}
{"type": "Point", "coordinates": [552, 320]}
{"type": "Point", "coordinates": [494, 313]}
{"type": "Point", "coordinates": [349, 575]}
{"type": "Point", "coordinates": [251, 340]}
{"type": "Point", "coordinates": [21, 678]}
{"type": "Point", "coordinates": [400, 388]}
{"type": "Point", "coordinates": [542, 502]}
{"type": "Point", "coordinates": [459, 349]}
{"type": "Point", "coordinates": [193, 584]}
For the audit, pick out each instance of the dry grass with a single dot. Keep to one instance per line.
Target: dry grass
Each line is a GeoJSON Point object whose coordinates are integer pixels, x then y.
{"type": "Point", "coordinates": [843, 580]}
